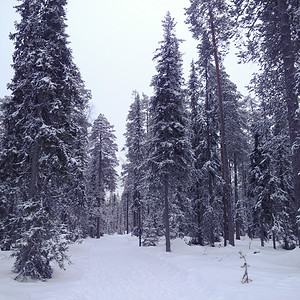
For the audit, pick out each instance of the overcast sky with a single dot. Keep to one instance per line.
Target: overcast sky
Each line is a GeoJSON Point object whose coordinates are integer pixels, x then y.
{"type": "Point", "coordinates": [113, 42]}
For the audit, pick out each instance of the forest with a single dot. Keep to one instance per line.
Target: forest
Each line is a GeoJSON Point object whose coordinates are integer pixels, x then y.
{"type": "Point", "coordinates": [203, 161]}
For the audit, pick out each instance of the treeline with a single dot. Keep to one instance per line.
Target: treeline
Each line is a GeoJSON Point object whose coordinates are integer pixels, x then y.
{"type": "Point", "coordinates": [202, 160]}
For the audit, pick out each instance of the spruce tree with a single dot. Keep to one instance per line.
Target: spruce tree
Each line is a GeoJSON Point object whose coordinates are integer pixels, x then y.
{"type": "Point", "coordinates": [6, 207]}
{"type": "Point", "coordinates": [284, 226]}
{"type": "Point", "coordinates": [102, 176]}
{"type": "Point", "coordinates": [209, 156]}
{"type": "Point", "coordinates": [193, 93]}
{"type": "Point", "coordinates": [206, 191]}
{"type": "Point", "coordinates": [272, 40]}
{"type": "Point", "coordinates": [275, 141]}
{"type": "Point", "coordinates": [170, 157]}
{"type": "Point", "coordinates": [260, 189]}
{"type": "Point", "coordinates": [134, 169]}
{"type": "Point", "coordinates": [237, 142]}
{"type": "Point", "coordinates": [113, 215]}
{"type": "Point", "coordinates": [42, 159]}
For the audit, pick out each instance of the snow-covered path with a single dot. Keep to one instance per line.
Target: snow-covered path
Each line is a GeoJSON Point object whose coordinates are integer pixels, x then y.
{"type": "Point", "coordinates": [114, 268]}
{"type": "Point", "coordinates": [124, 271]}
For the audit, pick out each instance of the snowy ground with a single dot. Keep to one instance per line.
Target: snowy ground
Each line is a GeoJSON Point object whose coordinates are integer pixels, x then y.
{"type": "Point", "coordinates": [114, 268]}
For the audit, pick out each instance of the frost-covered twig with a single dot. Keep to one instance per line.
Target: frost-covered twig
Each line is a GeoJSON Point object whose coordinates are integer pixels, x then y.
{"type": "Point", "coordinates": [245, 278]}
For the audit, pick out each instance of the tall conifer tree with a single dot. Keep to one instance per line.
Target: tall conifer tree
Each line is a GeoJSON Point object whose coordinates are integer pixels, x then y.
{"type": "Point", "coordinates": [274, 141]}
{"type": "Point", "coordinates": [102, 176]}
{"type": "Point", "coordinates": [42, 160]}
{"type": "Point", "coordinates": [272, 29]}
{"type": "Point", "coordinates": [193, 93]}
{"type": "Point", "coordinates": [135, 146]}
{"type": "Point", "coordinates": [211, 22]}
{"type": "Point", "coordinates": [170, 157]}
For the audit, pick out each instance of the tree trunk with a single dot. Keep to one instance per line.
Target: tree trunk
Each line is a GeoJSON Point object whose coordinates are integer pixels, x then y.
{"type": "Point", "coordinates": [262, 235]}
{"type": "Point", "coordinates": [199, 234]}
{"type": "Point", "coordinates": [140, 227]}
{"type": "Point", "coordinates": [228, 217]}
{"type": "Point", "coordinates": [237, 203]}
{"type": "Point", "coordinates": [98, 227]}
{"type": "Point", "coordinates": [166, 214]}
{"type": "Point", "coordinates": [127, 213]}
{"type": "Point", "coordinates": [291, 97]}
{"type": "Point", "coordinates": [274, 240]}
{"type": "Point", "coordinates": [208, 141]}
{"type": "Point", "coordinates": [100, 174]}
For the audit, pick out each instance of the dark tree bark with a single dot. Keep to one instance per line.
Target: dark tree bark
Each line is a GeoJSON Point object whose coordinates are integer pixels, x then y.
{"type": "Point", "coordinates": [166, 214]}
{"type": "Point", "coordinates": [100, 184]}
{"type": "Point", "coordinates": [238, 220]}
{"type": "Point", "coordinates": [127, 213]}
{"type": "Point", "coordinates": [274, 240]}
{"type": "Point", "coordinates": [140, 227]}
{"type": "Point", "coordinates": [291, 96]}
{"type": "Point", "coordinates": [208, 141]}
{"type": "Point", "coordinates": [98, 227]}
{"type": "Point", "coordinates": [227, 202]}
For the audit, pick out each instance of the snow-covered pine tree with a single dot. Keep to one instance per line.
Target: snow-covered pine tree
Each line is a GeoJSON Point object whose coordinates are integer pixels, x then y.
{"type": "Point", "coordinates": [170, 156]}
{"type": "Point", "coordinates": [42, 159]}
{"type": "Point", "coordinates": [112, 214]}
{"type": "Point", "coordinates": [260, 189]}
{"type": "Point", "coordinates": [6, 207]}
{"type": "Point", "coordinates": [208, 157]}
{"type": "Point", "coordinates": [205, 192]}
{"type": "Point", "coordinates": [273, 41]}
{"type": "Point", "coordinates": [211, 21]}
{"type": "Point", "coordinates": [261, 180]}
{"type": "Point", "coordinates": [193, 93]}
{"type": "Point", "coordinates": [251, 105]}
{"type": "Point", "coordinates": [101, 174]}
{"type": "Point", "coordinates": [268, 86]}
{"type": "Point", "coordinates": [284, 225]}
{"type": "Point", "coordinates": [237, 143]}
{"type": "Point", "coordinates": [153, 220]}
{"type": "Point", "coordinates": [284, 215]}
{"type": "Point", "coordinates": [153, 207]}
{"type": "Point", "coordinates": [75, 209]}
{"type": "Point", "coordinates": [135, 154]}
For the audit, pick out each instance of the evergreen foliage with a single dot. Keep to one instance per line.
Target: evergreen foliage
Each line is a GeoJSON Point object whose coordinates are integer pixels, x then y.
{"type": "Point", "coordinates": [272, 31]}
{"type": "Point", "coordinates": [102, 176]}
{"type": "Point", "coordinates": [43, 158]}
{"type": "Point", "coordinates": [207, 190]}
{"type": "Point", "coordinates": [135, 146]}
{"type": "Point", "coordinates": [261, 188]}
{"type": "Point", "coordinates": [189, 170]}
{"type": "Point", "coordinates": [211, 24]}
{"type": "Point", "coordinates": [170, 155]}
{"type": "Point", "coordinates": [275, 142]}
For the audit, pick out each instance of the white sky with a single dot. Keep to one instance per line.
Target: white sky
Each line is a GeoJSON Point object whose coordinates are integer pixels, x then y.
{"type": "Point", "coordinates": [113, 42]}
